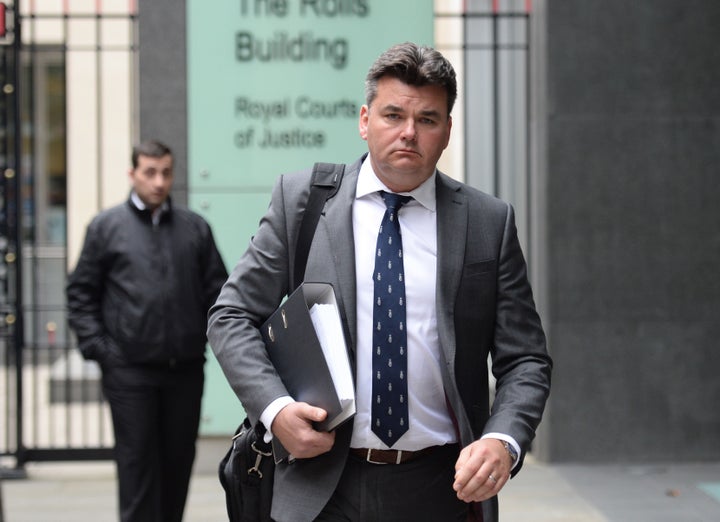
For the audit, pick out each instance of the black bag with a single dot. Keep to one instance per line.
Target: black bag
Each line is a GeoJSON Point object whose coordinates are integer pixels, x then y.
{"type": "Point", "coordinates": [246, 472]}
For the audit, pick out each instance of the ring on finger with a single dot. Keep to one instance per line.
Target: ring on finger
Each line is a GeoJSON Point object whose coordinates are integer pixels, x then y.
{"type": "Point", "coordinates": [493, 479]}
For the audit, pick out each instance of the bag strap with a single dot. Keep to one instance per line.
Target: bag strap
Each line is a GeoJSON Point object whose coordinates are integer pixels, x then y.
{"type": "Point", "coordinates": [324, 184]}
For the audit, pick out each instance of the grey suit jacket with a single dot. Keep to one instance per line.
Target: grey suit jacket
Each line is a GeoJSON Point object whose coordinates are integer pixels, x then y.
{"type": "Point", "coordinates": [484, 306]}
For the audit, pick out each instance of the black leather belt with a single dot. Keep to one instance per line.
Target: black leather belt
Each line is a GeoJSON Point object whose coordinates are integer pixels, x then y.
{"type": "Point", "coordinates": [378, 456]}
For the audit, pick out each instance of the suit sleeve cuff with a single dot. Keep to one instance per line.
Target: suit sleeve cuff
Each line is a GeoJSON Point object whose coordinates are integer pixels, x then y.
{"type": "Point", "coordinates": [509, 440]}
{"type": "Point", "coordinates": [268, 415]}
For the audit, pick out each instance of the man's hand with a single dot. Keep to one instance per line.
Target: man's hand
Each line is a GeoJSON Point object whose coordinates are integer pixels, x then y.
{"type": "Point", "coordinates": [482, 469]}
{"type": "Point", "coordinates": [293, 427]}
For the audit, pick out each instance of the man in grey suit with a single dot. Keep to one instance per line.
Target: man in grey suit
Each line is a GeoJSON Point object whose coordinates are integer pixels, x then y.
{"type": "Point", "coordinates": [454, 292]}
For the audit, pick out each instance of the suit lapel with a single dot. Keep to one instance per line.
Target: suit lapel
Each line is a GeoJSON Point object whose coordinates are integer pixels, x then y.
{"type": "Point", "coordinates": [452, 229]}
{"type": "Point", "coordinates": [336, 220]}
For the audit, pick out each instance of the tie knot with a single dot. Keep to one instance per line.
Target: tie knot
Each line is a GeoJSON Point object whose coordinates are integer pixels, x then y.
{"type": "Point", "coordinates": [394, 201]}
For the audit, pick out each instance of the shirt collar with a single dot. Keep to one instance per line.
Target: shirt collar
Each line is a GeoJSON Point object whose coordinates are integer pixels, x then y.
{"type": "Point", "coordinates": [164, 207]}
{"type": "Point", "coordinates": [140, 204]}
{"type": "Point", "coordinates": [368, 183]}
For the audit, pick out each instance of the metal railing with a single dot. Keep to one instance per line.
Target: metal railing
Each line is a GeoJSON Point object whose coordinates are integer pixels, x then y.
{"type": "Point", "coordinates": [51, 404]}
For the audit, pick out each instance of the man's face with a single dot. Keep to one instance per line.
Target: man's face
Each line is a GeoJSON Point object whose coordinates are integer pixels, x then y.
{"type": "Point", "coordinates": [152, 179]}
{"type": "Point", "coordinates": [407, 128]}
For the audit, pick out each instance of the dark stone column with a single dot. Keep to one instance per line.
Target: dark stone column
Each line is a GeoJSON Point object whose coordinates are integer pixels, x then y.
{"type": "Point", "coordinates": [632, 180]}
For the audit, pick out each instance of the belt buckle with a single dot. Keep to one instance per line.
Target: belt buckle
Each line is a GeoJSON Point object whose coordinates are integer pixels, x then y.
{"type": "Point", "coordinates": [368, 458]}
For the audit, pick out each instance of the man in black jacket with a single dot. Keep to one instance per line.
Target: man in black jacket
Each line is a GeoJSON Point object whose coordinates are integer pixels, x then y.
{"type": "Point", "coordinates": [138, 301]}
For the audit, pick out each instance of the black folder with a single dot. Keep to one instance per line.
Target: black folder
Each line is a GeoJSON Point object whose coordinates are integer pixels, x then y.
{"type": "Point", "coordinates": [296, 352]}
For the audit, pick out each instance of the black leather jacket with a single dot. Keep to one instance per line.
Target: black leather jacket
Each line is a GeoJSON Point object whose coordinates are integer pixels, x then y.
{"type": "Point", "coordinates": [141, 291]}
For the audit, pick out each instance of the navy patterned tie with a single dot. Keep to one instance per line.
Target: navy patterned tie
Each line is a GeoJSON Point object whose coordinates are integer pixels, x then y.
{"type": "Point", "coordinates": [390, 400]}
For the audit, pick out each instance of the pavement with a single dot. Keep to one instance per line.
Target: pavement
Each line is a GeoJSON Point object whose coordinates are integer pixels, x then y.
{"type": "Point", "coordinates": [85, 491]}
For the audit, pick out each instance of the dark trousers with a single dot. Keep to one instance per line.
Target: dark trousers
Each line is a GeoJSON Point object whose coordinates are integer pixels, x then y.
{"type": "Point", "coordinates": [418, 490]}
{"type": "Point", "coordinates": [156, 415]}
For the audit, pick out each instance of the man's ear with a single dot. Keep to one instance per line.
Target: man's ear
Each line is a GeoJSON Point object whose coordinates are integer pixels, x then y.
{"type": "Point", "coordinates": [449, 129]}
{"type": "Point", "coordinates": [363, 121]}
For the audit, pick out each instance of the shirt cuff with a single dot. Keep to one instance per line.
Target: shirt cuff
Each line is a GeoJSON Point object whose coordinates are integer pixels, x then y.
{"type": "Point", "coordinates": [268, 415]}
{"type": "Point", "coordinates": [509, 440]}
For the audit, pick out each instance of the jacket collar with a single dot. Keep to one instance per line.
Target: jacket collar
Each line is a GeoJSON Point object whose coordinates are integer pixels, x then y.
{"type": "Point", "coordinates": [141, 209]}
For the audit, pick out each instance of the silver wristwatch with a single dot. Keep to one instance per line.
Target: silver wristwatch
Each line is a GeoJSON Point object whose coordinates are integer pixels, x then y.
{"type": "Point", "coordinates": [511, 451]}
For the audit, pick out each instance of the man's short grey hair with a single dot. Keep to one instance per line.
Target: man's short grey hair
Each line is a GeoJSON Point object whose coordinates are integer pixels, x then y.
{"type": "Point", "coordinates": [414, 65]}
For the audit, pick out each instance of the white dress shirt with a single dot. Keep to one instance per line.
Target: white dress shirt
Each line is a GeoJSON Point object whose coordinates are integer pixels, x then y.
{"type": "Point", "coordinates": [430, 422]}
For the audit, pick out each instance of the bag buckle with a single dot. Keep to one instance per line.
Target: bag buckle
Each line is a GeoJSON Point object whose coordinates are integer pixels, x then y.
{"type": "Point", "coordinates": [258, 459]}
